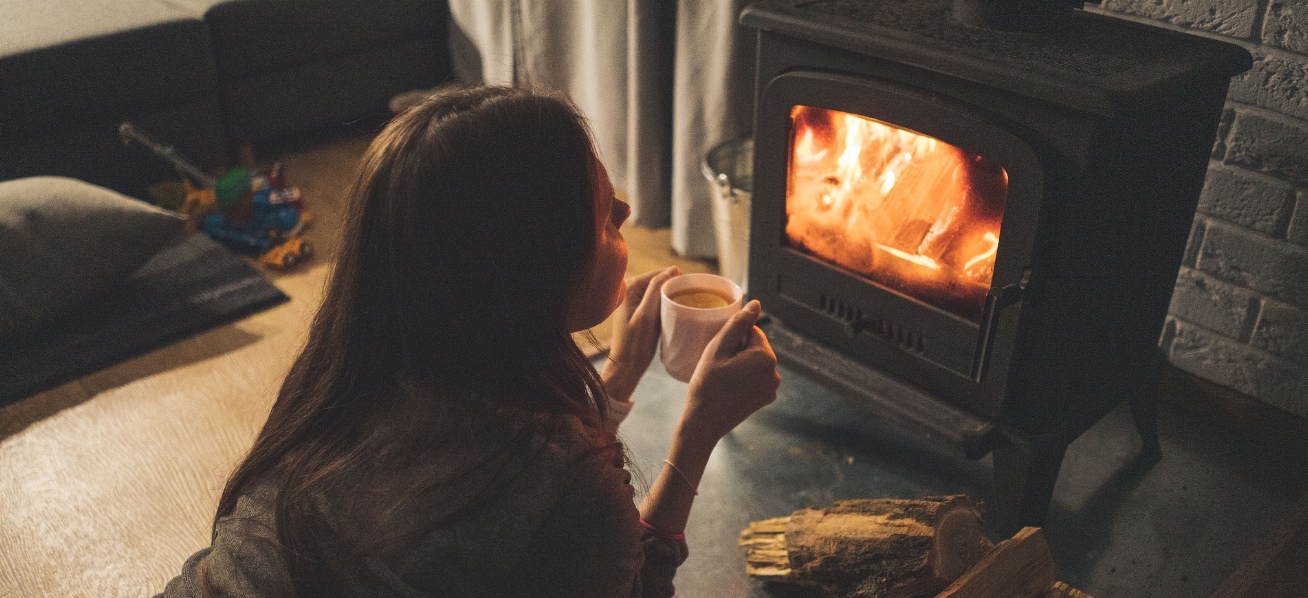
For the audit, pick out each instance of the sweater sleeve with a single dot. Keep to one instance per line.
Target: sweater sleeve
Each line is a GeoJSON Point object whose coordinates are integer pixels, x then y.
{"type": "Point", "coordinates": [243, 561]}
{"type": "Point", "coordinates": [662, 557]}
{"type": "Point", "coordinates": [618, 411]}
{"type": "Point", "coordinates": [592, 544]}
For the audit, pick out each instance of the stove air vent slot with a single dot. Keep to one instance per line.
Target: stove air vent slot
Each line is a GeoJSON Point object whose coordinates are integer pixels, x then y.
{"type": "Point", "coordinates": [857, 321]}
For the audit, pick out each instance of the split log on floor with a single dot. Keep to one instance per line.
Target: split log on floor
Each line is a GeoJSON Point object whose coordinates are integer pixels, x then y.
{"type": "Point", "coordinates": [1019, 567]}
{"type": "Point", "coordinates": [870, 548]}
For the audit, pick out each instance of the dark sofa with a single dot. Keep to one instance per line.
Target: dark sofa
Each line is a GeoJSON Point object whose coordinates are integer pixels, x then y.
{"type": "Point", "coordinates": [205, 76]}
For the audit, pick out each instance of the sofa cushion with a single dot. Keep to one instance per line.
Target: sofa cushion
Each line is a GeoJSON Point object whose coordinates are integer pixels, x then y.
{"type": "Point", "coordinates": [258, 36]}
{"type": "Point", "coordinates": [35, 24]}
{"type": "Point", "coordinates": [291, 66]}
{"type": "Point", "coordinates": [63, 241]}
{"type": "Point", "coordinates": [92, 150]}
{"type": "Point", "coordinates": [78, 62]}
{"type": "Point", "coordinates": [324, 94]}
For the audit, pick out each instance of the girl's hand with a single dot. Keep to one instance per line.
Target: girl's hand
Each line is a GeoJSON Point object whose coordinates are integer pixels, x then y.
{"type": "Point", "coordinates": [635, 333]}
{"type": "Point", "coordinates": [736, 376]}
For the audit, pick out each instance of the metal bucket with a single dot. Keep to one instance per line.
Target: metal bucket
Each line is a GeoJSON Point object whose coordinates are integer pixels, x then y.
{"type": "Point", "coordinates": [729, 168]}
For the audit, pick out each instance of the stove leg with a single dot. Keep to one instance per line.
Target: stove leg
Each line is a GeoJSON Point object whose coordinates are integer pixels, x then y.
{"type": "Point", "coordinates": [1144, 410]}
{"type": "Point", "coordinates": [1025, 473]}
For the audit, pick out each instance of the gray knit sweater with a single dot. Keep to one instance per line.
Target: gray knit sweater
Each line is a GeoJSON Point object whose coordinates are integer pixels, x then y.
{"type": "Point", "coordinates": [565, 525]}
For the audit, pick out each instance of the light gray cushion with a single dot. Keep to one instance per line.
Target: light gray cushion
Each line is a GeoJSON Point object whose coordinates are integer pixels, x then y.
{"type": "Point", "coordinates": [69, 64]}
{"type": "Point", "coordinates": [32, 25]}
{"type": "Point", "coordinates": [64, 241]}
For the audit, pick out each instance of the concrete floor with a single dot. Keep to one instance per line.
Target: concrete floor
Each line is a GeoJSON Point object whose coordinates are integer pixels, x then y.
{"type": "Point", "coordinates": [1176, 529]}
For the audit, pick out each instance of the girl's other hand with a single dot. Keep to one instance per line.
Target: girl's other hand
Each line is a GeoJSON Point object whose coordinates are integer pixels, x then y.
{"type": "Point", "coordinates": [736, 376]}
{"type": "Point", "coordinates": [635, 333]}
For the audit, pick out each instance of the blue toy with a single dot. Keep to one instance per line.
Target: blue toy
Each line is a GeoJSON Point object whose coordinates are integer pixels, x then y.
{"type": "Point", "coordinates": [247, 210]}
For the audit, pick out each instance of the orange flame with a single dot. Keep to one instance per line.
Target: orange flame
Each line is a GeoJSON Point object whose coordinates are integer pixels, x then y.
{"type": "Point", "coordinates": [903, 209]}
{"type": "Point", "coordinates": [804, 150]}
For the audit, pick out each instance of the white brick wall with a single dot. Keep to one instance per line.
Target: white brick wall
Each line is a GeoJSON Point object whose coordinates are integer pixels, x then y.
{"type": "Point", "coordinates": [1250, 199]}
{"type": "Point", "coordinates": [1239, 315]}
{"type": "Point", "coordinates": [1286, 26]}
{"type": "Point", "coordinates": [1298, 231]}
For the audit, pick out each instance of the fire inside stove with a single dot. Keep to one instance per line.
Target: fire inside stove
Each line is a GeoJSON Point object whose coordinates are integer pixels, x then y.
{"type": "Point", "coordinates": [903, 210]}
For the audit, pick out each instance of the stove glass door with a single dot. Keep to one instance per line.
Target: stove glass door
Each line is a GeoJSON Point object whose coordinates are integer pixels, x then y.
{"type": "Point", "coordinates": [899, 208]}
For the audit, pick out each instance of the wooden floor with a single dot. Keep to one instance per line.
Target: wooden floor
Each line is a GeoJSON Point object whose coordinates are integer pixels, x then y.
{"type": "Point", "coordinates": [109, 482]}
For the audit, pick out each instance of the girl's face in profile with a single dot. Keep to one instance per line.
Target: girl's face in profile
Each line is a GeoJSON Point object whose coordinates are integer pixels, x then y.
{"type": "Point", "coordinates": [603, 288]}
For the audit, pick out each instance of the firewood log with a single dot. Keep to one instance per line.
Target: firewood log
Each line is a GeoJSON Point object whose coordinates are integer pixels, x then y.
{"type": "Point", "coordinates": [869, 548]}
{"type": "Point", "coordinates": [1019, 567]}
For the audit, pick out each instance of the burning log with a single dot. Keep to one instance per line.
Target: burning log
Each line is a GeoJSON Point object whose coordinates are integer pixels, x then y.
{"type": "Point", "coordinates": [870, 548]}
{"type": "Point", "coordinates": [903, 209]}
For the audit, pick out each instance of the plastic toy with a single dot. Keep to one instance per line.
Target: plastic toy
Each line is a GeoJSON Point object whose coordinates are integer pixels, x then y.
{"type": "Point", "coordinates": [289, 253]}
{"type": "Point", "coordinates": [257, 220]}
{"type": "Point", "coordinates": [248, 210]}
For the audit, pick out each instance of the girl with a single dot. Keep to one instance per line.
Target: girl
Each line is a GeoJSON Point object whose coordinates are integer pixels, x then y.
{"type": "Point", "coordinates": [441, 434]}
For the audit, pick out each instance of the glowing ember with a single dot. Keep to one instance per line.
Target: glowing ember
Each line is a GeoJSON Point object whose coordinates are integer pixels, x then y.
{"type": "Point", "coordinates": [903, 209]}
{"type": "Point", "coordinates": [920, 260]}
{"type": "Point", "coordinates": [994, 247]}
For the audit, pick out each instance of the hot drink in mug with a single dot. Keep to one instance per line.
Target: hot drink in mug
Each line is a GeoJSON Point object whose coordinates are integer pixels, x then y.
{"type": "Point", "coordinates": [693, 309]}
{"type": "Point", "coordinates": [701, 298]}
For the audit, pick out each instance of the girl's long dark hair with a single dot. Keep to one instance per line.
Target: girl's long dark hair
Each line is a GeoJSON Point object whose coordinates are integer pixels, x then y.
{"type": "Point", "coordinates": [470, 222]}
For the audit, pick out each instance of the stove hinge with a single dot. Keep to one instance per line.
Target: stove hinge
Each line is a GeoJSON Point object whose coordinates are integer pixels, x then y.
{"type": "Point", "coordinates": [996, 302]}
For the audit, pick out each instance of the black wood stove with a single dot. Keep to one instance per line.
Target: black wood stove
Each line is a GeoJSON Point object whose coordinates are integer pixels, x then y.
{"type": "Point", "coordinates": [971, 214]}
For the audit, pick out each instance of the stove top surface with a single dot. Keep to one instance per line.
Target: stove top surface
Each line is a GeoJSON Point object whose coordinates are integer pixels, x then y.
{"type": "Point", "coordinates": [1095, 52]}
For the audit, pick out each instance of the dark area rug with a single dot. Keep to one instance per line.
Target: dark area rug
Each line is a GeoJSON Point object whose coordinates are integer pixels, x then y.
{"type": "Point", "coordinates": [183, 290]}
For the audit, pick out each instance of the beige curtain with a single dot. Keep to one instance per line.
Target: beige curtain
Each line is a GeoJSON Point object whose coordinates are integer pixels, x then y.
{"type": "Point", "coordinates": [662, 82]}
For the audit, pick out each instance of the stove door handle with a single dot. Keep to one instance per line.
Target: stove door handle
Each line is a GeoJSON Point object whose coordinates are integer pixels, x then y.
{"type": "Point", "coordinates": [996, 302]}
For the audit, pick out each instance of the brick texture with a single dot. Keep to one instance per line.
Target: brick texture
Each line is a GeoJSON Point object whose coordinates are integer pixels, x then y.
{"type": "Point", "coordinates": [1273, 267]}
{"type": "Point", "coordinates": [1239, 312]}
{"type": "Point", "coordinates": [1277, 81]}
{"type": "Point", "coordinates": [1276, 146]}
{"type": "Point", "coordinates": [1246, 198]}
{"type": "Point", "coordinates": [1298, 230]}
{"type": "Point", "coordinates": [1286, 25]}
{"type": "Point", "coordinates": [1238, 366]}
{"type": "Point", "coordinates": [1195, 241]}
{"type": "Point", "coordinates": [1221, 307]}
{"type": "Point", "coordinates": [1282, 330]}
{"type": "Point", "coordinates": [1223, 129]}
{"type": "Point", "coordinates": [1228, 17]}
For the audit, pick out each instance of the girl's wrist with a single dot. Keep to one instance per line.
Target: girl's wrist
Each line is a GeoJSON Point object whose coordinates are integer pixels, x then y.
{"type": "Point", "coordinates": [619, 381]}
{"type": "Point", "coordinates": [687, 458]}
{"type": "Point", "coordinates": [693, 442]}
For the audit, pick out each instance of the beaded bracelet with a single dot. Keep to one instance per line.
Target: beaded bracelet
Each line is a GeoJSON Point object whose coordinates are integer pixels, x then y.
{"type": "Point", "coordinates": [658, 533]}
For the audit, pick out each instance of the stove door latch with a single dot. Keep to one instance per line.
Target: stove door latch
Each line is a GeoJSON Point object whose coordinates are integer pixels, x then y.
{"type": "Point", "coordinates": [996, 302]}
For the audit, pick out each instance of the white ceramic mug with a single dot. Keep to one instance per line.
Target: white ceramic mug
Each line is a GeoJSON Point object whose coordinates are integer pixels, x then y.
{"type": "Point", "coordinates": [686, 331]}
